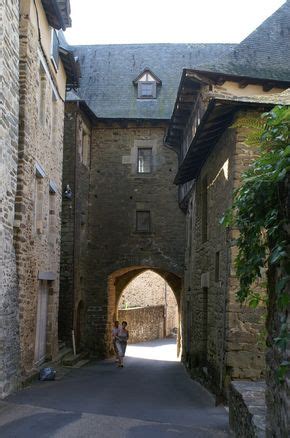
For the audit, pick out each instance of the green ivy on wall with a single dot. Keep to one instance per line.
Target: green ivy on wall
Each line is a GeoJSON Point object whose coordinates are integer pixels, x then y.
{"type": "Point", "coordinates": [259, 212]}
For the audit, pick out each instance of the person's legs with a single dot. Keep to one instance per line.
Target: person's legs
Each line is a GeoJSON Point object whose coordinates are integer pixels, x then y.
{"type": "Point", "coordinates": [116, 350]}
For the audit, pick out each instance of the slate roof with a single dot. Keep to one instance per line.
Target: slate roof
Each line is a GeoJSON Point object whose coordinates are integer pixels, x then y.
{"type": "Point", "coordinates": [264, 54]}
{"type": "Point", "coordinates": [108, 72]}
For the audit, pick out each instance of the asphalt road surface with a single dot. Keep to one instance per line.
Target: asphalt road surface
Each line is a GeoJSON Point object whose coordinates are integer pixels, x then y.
{"type": "Point", "coordinates": [151, 397]}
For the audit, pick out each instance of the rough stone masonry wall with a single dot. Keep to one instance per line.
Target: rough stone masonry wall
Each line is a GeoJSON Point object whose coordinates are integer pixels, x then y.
{"type": "Point", "coordinates": [72, 302]}
{"type": "Point", "coordinates": [246, 327]}
{"type": "Point", "coordinates": [116, 192]}
{"type": "Point", "coordinates": [218, 333]}
{"type": "Point", "coordinates": [144, 323]}
{"type": "Point", "coordinates": [68, 217]}
{"type": "Point", "coordinates": [37, 242]}
{"type": "Point", "coordinates": [149, 289]}
{"type": "Point", "coordinates": [9, 60]}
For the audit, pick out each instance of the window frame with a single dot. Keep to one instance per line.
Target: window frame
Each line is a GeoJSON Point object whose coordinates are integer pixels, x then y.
{"type": "Point", "coordinates": [137, 230]}
{"type": "Point", "coordinates": [151, 160]}
{"type": "Point", "coordinates": [54, 49]}
{"type": "Point", "coordinates": [144, 96]}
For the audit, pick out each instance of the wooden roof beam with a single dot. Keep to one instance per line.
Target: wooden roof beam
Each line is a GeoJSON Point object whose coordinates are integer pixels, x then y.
{"type": "Point", "coordinates": [243, 83]}
{"type": "Point", "coordinates": [268, 86]}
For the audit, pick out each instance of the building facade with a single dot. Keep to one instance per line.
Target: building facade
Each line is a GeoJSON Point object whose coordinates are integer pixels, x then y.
{"type": "Point", "coordinates": [210, 128]}
{"type": "Point", "coordinates": [130, 222]}
{"type": "Point", "coordinates": [9, 330]}
{"type": "Point", "coordinates": [40, 70]}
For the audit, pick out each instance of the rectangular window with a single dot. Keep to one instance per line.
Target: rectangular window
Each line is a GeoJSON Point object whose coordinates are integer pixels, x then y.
{"type": "Point", "coordinates": [52, 206]}
{"type": "Point", "coordinates": [86, 141]}
{"type": "Point", "coordinates": [42, 94]}
{"type": "Point", "coordinates": [143, 221]}
{"type": "Point", "coordinates": [54, 118]}
{"type": "Point", "coordinates": [38, 207]}
{"type": "Point", "coordinates": [144, 160]}
{"type": "Point", "coordinates": [204, 213]}
{"type": "Point", "coordinates": [54, 49]}
{"type": "Point", "coordinates": [217, 266]}
{"type": "Point", "coordinates": [41, 323]}
{"type": "Point", "coordinates": [146, 90]}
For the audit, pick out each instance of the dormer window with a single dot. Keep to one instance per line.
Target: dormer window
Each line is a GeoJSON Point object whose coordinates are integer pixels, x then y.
{"type": "Point", "coordinates": [147, 84]}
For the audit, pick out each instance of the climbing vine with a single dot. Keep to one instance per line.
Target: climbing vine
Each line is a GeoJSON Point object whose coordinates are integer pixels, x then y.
{"type": "Point", "coordinates": [260, 214]}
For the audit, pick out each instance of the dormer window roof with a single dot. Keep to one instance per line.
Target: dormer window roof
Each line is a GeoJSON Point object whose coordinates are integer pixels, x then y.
{"type": "Point", "coordinates": [147, 83]}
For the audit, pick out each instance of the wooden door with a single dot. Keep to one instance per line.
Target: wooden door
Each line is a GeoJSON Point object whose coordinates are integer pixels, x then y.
{"type": "Point", "coordinates": [41, 323]}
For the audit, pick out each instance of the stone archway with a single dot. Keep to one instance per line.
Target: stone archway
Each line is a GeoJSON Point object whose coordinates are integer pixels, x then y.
{"type": "Point", "coordinates": [149, 306]}
{"type": "Point", "coordinates": [121, 278]}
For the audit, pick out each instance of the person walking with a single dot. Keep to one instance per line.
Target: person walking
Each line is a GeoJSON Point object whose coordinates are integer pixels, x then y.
{"type": "Point", "coordinates": [121, 342]}
{"type": "Point", "coordinates": [114, 336]}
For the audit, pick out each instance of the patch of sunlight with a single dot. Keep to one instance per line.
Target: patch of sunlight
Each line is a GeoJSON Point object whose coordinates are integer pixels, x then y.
{"type": "Point", "coordinates": [154, 350]}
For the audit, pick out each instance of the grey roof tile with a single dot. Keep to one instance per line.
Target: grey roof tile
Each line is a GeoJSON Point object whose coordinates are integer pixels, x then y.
{"type": "Point", "coordinates": [264, 54]}
{"type": "Point", "coordinates": [108, 72]}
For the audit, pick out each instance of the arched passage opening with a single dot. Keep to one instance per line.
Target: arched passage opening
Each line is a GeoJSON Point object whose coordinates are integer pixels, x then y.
{"type": "Point", "coordinates": [119, 282]}
{"type": "Point", "coordinates": [149, 306]}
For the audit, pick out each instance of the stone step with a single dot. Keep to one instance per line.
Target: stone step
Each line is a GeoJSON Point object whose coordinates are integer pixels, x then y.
{"type": "Point", "coordinates": [81, 363]}
{"type": "Point", "coordinates": [247, 408]}
{"type": "Point", "coordinates": [71, 360]}
{"type": "Point", "coordinates": [62, 354]}
{"type": "Point", "coordinates": [61, 345]}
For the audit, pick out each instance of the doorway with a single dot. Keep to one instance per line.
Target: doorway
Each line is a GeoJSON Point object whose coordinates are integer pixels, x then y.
{"type": "Point", "coordinates": [41, 323]}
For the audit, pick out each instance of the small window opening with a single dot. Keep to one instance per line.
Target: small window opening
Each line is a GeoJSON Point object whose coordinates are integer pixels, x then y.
{"type": "Point", "coordinates": [38, 206]}
{"type": "Point", "coordinates": [143, 221]}
{"type": "Point", "coordinates": [86, 141]}
{"type": "Point", "coordinates": [52, 215]}
{"type": "Point", "coordinates": [54, 49]}
{"type": "Point", "coordinates": [144, 160]}
{"type": "Point", "coordinates": [42, 94]}
{"type": "Point", "coordinates": [147, 90]}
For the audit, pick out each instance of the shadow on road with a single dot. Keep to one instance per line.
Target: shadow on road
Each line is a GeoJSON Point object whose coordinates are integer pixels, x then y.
{"type": "Point", "coordinates": [151, 396]}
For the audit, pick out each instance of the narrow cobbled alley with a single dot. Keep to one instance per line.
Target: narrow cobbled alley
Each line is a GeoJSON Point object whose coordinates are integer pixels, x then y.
{"type": "Point", "coordinates": [152, 396]}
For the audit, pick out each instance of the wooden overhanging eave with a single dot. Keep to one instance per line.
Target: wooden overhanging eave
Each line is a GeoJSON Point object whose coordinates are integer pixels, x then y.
{"type": "Point", "coordinates": [218, 78]}
{"type": "Point", "coordinates": [186, 96]}
{"type": "Point", "coordinates": [217, 118]}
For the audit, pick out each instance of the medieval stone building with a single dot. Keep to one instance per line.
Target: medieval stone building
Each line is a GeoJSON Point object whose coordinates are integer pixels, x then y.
{"type": "Point", "coordinates": [9, 46]}
{"type": "Point", "coordinates": [123, 211]}
{"type": "Point", "coordinates": [221, 338]}
{"type": "Point", "coordinates": [36, 74]}
{"type": "Point", "coordinates": [107, 173]}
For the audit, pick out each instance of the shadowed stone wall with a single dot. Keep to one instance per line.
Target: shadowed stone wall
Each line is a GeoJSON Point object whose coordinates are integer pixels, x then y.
{"type": "Point", "coordinates": [38, 200]}
{"type": "Point", "coordinates": [149, 289]}
{"type": "Point", "coordinates": [144, 323]}
{"type": "Point", "coordinates": [110, 242]}
{"type": "Point", "coordinates": [278, 392]}
{"type": "Point", "coordinates": [220, 336]}
{"type": "Point", "coordinates": [9, 59]}
{"type": "Point", "coordinates": [74, 241]}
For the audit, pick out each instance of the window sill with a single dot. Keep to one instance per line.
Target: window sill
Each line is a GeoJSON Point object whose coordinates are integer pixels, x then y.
{"type": "Point", "coordinates": [143, 233]}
